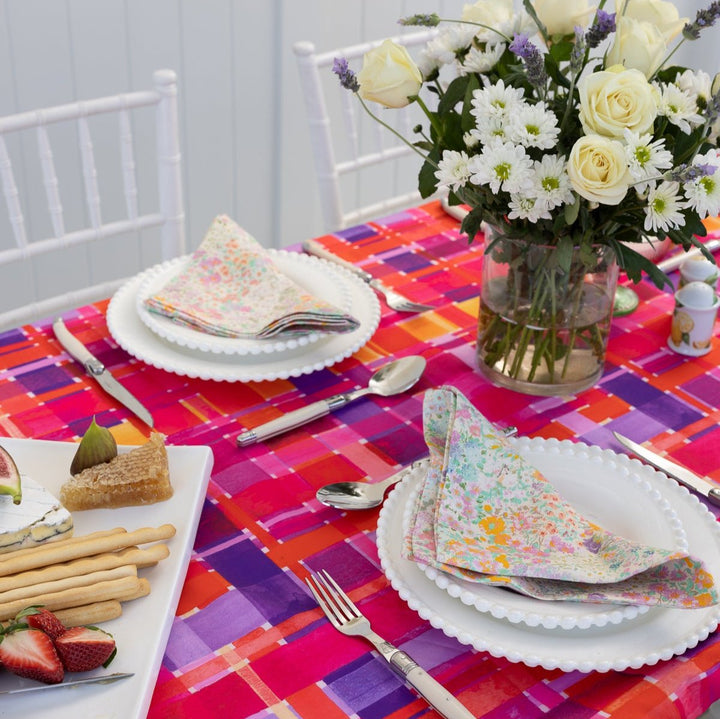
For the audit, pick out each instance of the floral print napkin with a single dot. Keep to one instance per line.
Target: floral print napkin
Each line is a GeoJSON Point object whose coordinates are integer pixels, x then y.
{"type": "Point", "coordinates": [484, 514]}
{"type": "Point", "coordinates": [231, 288]}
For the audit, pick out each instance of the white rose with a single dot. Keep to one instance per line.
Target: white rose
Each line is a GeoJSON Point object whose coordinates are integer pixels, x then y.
{"type": "Point", "coordinates": [639, 45]}
{"type": "Point", "coordinates": [561, 16]}
{"type": "Point", "coordinates": [489, 12]}
{"type": "Point", "coordinates": [389, 75]}
{"type": "Point", "coordinates": [598, 169]}
{"type": "Point", "coordinates": [662, 14]}
{"type": "Point", "coordinates": [615, 99]}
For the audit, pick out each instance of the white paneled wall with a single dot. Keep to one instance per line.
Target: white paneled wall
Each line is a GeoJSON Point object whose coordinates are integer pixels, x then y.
{"type": "Point", "coordinates": [244, 137]}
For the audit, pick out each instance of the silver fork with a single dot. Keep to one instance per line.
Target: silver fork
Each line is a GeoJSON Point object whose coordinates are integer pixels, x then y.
{"type": "Point", "coordinates": [348, 619]}
{"type": "Point", "coordinates": [394, 300]}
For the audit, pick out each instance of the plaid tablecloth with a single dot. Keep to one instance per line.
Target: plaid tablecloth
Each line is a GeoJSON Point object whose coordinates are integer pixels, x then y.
{"type": "Point", "coordinates": [248, 640]}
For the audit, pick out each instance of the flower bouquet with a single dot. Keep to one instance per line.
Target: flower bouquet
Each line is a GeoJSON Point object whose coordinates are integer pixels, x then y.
{"type": "Point", "coordinates": [571, 137]}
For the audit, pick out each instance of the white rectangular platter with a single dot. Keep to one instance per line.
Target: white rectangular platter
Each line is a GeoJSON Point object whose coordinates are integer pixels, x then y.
{"type": "Point", "coordinates": [141, 633]}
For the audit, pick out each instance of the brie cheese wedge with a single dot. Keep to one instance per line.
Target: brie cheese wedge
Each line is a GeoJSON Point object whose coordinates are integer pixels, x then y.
{"type": "Point", "coordinates": [39, 518]}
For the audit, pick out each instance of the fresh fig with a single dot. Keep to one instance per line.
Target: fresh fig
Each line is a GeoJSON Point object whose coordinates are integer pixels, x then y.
{"type": "Point", "coordinates": [10, 482]}
{"type": "Point", "coordinates": [96, 447]}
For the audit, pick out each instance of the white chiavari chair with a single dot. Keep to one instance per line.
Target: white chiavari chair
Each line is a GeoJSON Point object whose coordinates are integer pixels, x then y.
{"type": "Point", "coordinates": [93, 194]}
{"type": "Point", "coordinates": [363, 170]}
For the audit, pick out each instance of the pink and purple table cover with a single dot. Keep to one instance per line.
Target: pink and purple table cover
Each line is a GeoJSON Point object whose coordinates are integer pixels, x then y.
{"type": "Point", "coordinates": [248, 640]}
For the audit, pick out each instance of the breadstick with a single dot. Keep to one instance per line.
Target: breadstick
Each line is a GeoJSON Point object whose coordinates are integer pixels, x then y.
{"type": "Point", "coordinates": [116, 589]}
{"type": "Point", "coordinates": [90, 613]}
{"type": "Point", "coordinates": [85, 565]}
{"type": "Point", "coordinates": [142, 591]}
{"type": "Point", "coordinates": [83, 548]}
{"type": "Point", "coordinates": [81, 580]}
{"type": "Point", "coordinates": [26, 551]}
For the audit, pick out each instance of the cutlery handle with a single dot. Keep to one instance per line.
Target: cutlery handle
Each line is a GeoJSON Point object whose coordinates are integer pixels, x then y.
{"type": "Point", "coordinates": [434, 693]}
{"type": "Point", "coordinates": [312, 247]}
{"type": "Point", "coordinates": [294, 419]}
{"type": "Point", "coordinates": [674, 261]}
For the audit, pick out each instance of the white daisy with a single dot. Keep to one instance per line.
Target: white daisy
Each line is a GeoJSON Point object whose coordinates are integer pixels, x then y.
{"type": "Point", "coordinates": [453, 170]}
{"type": "Point", "coordinates": [527, 208]}
{"type": "Point", "coordinates": [703, 194]}
{"type": "Point", "coordinates": [552, 184]}
{"type": "Point", "coordinates": [696, 83]}
{"type": "Point", "coordinates": [495, 101]}
{"type": "Point", "coordinates": [534, 126]}
{"type": "Point", "coordinates": [489, 129]}
{"type": "Point", "coordinates": [482, 61]}
{"type": "Point", "coordinates": [470, 139]}
{"type": "Point", "coordinates": [663, 208]}
{"type": "Point", "coordinates": [502, 166]}
{"type": "Point", "coordinates": [645, 159]}
{"type": "Point", "coordinates": [680, 107]}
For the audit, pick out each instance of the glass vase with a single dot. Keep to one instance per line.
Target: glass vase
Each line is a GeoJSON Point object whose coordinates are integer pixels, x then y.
{"type": "Point", "coordinates": [544, 315]}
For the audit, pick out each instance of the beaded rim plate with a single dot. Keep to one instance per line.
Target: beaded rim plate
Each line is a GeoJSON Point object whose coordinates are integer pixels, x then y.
{"type": "Point", "coordinates": [313, 274]}
{"type": "Point", "coordinates": [658, 634]}
{"type": "Point", "coordinates": [135, 338]}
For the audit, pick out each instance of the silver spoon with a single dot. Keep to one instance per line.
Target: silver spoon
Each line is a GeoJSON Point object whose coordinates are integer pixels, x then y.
{"type": "Point", "coordinates": [366, 495]}
{"type": "Point", "coordinates": [392, 378]}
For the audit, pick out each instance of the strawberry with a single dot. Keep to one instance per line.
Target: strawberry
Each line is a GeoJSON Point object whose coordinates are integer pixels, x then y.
{"type": "Point", "coordinates": [84, 648]}
{"type": "Point", "coordinates": [40, 618]}
{"type": "Point", "coordinates": [30, 653]}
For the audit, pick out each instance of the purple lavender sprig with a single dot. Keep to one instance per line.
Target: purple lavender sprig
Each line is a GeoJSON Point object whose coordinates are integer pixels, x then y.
{"type": "Point", "coordinates": [704, 18]}
{"type": "Point", "coordinates": [428, 20]}
{"type": "Point", "coordinates": [687, 173]}
{"type": "Point", "coordinates": [602, 26]}
{"type": "Point", "coordinates": [347, 77]}
{"type": "Point", "coordinates": [577, 56]}
{"type": "Point", "coordinates": [533, 58]}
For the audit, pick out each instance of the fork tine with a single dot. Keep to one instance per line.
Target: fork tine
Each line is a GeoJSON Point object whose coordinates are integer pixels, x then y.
{"type": "Point", "coordinates": [341, 600]}
{"type": "Point", "coordinates": [327, 610]}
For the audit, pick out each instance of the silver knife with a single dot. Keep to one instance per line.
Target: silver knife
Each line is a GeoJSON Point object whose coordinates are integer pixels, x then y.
{"type": "Point", "coordinates": [675, 471]}
{"type": "Point", "coordinates": [97, 370]}
{"type": "Point", "coordinates": [101, 679]}
{"type": "Point", "coordinates": [674, 261]}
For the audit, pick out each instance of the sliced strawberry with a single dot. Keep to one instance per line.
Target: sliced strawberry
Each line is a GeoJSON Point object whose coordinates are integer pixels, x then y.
{"type": "Point", "coordinates": [44, 619]}
{"type": "Point", "coordinates": [30, 653]}
{"type": "Point", "coordinates": [85, 648]}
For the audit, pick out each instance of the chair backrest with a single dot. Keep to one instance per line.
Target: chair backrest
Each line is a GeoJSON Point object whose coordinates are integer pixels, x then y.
{"type": "Point", "coordinates": [363, 170]}
{"type": "Point", "coordinates": [58, 250]}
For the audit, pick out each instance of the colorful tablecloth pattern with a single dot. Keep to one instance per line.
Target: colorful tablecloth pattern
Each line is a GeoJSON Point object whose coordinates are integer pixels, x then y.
{"type": "Point", "coordinates": [248, 640]}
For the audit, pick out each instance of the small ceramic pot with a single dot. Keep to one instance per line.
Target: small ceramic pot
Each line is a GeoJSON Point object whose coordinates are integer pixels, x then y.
{"type": "Point", "coordinates": [698, 269]}
{"type": "Point", "coordinates": [696, 306]}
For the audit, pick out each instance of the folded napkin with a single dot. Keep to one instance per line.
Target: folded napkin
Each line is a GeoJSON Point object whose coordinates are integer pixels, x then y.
{"type": "Point", "coordinates": [231, 288]}
{"type": "Point", "coordinates": [485, 515]}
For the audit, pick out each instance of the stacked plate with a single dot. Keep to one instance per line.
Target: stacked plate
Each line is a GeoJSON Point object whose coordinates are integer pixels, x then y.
{"type": "Point", "coordinates": [620, 494]}
{"type": "Point", "coordinates": [169, 346]}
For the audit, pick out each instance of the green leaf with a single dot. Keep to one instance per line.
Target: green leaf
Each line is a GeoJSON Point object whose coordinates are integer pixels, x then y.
{"type": "Point", "coordinates": [454, 94]}
{"type": "Point", "coordinates": [565, 252]}
{"type": "Point", "coordinates": [472, 222]}
{"type": "Point", "coordinates": [467, 118]}
{"type": "Point", "coordinates": [427, 182]}
{"type": "Point", "coordinates": [571, 211]}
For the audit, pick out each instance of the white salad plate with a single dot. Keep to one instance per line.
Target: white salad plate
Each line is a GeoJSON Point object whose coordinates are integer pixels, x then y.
{"type": "Point", "coordinates": [315, 275]}
{"type": "Point", "coordinates": [609, 489]}
{"type": "Point", "coordinates": [134, 337]}
{"type": "Point", "coordinates": [141, 632]}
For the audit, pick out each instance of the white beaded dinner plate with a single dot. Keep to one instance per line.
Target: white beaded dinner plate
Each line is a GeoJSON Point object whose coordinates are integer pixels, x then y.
{"type": "Point", "coordinates": [315, 275]}
{"type": "Point", "coordinates": [600, 480]}
{"type": "Point", "coordinates": [128, 330]}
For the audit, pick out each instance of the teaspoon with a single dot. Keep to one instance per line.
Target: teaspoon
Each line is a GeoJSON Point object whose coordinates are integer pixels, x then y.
{"type": "Point", "coordinates": [366, 495]}
{"type": "Point", "coordinates": [392, 378]}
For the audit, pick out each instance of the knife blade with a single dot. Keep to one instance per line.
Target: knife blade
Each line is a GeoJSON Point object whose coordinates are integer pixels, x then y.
{"type": "Point", "coordinates": [674, 261]}
{"type": "Point", "coordinates": [674, 471]}
{"type": "Point", "coordinates": [99, 372]}
{"type": "Point", "coordinates": [101, 679]}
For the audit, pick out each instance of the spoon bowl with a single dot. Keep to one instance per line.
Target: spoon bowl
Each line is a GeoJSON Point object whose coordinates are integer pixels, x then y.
{"type": "Point", "coordinates": [392, 378]}
{"type": "Point", "coordinates": [366, 495]}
